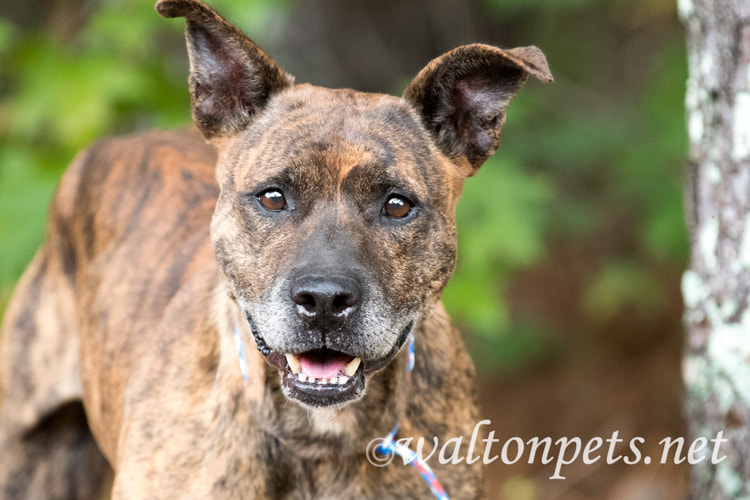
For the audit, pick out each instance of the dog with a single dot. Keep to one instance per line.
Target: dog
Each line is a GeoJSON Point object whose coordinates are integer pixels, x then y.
{"type": "Point", "coordinates": [314, 224]}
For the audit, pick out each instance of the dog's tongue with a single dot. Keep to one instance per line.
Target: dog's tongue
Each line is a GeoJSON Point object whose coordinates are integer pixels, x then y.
{"type": "Point", "coordinates": [323, 364]}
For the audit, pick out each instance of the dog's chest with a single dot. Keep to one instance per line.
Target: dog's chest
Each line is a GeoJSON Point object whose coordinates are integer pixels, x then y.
{"type": "Point", "coordinates": [291, 477]}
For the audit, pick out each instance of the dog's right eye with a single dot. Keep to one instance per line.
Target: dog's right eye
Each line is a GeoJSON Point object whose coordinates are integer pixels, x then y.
{"type": "Point", "coordinates": [397, 207]}
{"type": "Point", "coordinates": [272, 200]}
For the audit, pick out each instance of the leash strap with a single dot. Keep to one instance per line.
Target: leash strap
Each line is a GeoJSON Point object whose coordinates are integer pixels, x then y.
{"type": "Point", "coordinates": [388, 446]}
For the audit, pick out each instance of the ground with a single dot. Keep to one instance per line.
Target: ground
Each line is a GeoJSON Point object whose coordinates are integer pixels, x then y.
{"type": "Point", "coordinates": [620, 375]}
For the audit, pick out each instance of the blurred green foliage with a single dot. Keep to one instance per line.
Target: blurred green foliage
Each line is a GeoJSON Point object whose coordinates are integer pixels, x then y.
{"type": "Point", "coordinates": [501, 219]}
{"type": "Point", "coordinates": [596, 156]}
{"type": "Point", "coordinates": [595, 160]}
{"type": "Point", "coordinates": [57, 96]}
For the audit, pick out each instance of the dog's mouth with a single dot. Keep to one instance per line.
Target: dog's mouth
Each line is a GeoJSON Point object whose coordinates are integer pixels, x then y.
{"type": "Point", "coordinates": [323, 377]}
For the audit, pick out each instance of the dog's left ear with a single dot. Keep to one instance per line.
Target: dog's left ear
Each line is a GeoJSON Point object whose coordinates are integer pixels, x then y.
{"type": "Point", "coordinates": [462, 96]}
{"type": "Point", "coordinates": [231, 78]}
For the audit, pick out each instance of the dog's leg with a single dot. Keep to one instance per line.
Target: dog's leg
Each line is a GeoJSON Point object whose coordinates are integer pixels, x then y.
{"type": "Point", "coordinates": [58, 458]}
{"type": "Point", "coordinates": [46, 447]}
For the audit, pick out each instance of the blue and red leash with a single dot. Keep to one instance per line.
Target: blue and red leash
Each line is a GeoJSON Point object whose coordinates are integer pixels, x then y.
{"type": "Point", "coordinates": [389, 446]}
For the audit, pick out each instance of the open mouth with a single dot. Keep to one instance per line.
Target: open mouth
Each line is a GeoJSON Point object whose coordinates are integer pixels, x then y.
{"type": "Point", "coordinates": [323, 377]}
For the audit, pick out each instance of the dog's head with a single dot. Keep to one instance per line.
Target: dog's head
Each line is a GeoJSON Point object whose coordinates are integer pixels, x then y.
{"type": "Point", "coordinates": [335, 223]}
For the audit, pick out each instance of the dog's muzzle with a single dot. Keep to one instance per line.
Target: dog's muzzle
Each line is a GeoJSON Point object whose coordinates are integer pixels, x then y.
{"type": "Point", "coordinates": [323, 376]}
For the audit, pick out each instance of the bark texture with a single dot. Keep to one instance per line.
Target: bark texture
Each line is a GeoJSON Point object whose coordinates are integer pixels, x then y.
{"type": "Point", "coordinates": [716, 366]}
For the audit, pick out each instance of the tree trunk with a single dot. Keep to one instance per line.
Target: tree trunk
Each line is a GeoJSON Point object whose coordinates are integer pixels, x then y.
{"type": "Point", "coordinates": [715, 289]}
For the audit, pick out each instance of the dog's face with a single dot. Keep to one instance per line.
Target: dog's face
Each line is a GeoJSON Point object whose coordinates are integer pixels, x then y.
{"type": "Point", "coordinates": [335, 223]}
{"type": "Point", "coordinates": [335, 231]}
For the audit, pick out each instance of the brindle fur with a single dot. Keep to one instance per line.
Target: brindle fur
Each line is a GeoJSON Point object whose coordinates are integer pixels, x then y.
{"type": "Point", "coordinates": [117, 357]}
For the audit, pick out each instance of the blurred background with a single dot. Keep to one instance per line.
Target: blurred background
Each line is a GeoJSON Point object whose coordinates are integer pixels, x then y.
{"type": "Point", "coordinates": [571, 238]}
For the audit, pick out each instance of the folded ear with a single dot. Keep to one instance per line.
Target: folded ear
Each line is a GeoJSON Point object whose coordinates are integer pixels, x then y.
{"type": "Point", "coordinates": [462, 96]}
{"type": "Point", "coordinates": [231, 78]}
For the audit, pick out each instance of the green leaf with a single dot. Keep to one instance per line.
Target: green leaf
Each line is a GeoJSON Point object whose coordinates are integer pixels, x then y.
{"type": "Point", "coordinates": [620, 285]}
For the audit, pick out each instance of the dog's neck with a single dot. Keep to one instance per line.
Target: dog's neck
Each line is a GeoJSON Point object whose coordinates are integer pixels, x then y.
{"type": "Point", "coordinates": [264, 441]}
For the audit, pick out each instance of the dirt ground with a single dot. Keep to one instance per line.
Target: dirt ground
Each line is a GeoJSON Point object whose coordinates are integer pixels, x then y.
{"type": "Point", "coordinates": [622, 375]}
{"type": "Point", "coordinates": [589, 397]}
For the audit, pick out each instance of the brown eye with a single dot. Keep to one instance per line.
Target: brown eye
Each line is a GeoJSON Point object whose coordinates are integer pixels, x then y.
{"type": "Point", "coordinates": [397, 207]}
{"type": "Point", "coordinates": [273, 200]}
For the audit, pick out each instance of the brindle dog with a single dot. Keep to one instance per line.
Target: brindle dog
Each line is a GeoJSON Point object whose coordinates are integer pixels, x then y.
{"type": "Point", "coordinates": [326, 242]}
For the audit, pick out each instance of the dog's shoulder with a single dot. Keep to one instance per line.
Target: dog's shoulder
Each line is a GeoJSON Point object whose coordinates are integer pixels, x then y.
{"type": "Point", "coordinates": [135, 162]}
{"type": "Point", "coordinates": [122, 188]}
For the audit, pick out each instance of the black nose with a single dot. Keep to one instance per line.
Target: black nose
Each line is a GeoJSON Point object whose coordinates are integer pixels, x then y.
{"type": "Point", "coordinates": [329, 299]}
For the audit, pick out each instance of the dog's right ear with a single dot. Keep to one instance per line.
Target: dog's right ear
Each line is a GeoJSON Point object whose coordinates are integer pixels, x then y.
{"type": "Point", "coordinates": [231, 78]}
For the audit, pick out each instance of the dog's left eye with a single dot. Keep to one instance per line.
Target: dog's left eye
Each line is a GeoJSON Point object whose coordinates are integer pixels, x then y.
{"type": "Point", "coordinates": [272, 200]}
{"type": "Point", "coordinates": [397, 207]}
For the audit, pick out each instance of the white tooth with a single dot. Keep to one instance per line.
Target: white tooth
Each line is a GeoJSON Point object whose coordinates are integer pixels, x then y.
{"type": "Point", "coordinates": [343, 380]}
{"type": "Point", "coordinates": [351, 367]}
{"type": "Point", "coordinates": [293, 362]}
{"type": "Point", "coordinates": [323, 381]}
{"type": "Point", "coordinates": [302, 377]}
